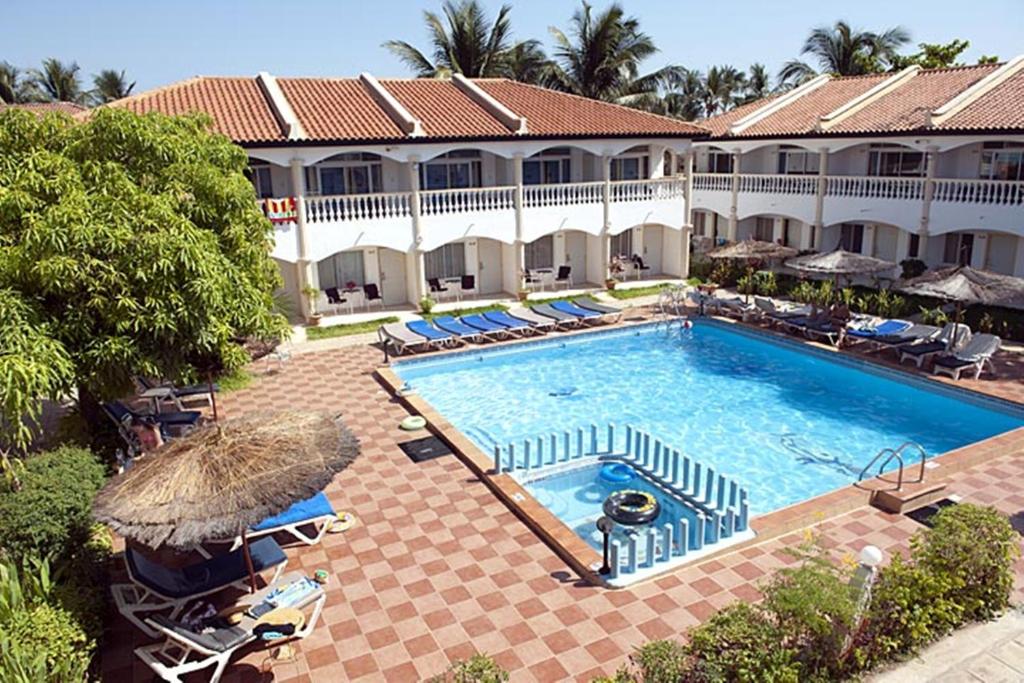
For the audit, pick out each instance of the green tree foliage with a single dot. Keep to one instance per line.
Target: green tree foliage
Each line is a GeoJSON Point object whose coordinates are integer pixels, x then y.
{"type": "Point", "coordinates": [480, 668]}
{"type": "Point", "coordinates": [742, 644]}
{"type": "Point", "coordinates": [111, 85]}
{"type": "Point", "coordinates": [128, 245]}
{"type": "Point", "coordinates": [58, 82]}
{"type": "Point", "coordinates": [845, 51]}
{"type": "Point", "coordinates": [13, 88]}
{"type": "Point", "coordinates": [932, 55]}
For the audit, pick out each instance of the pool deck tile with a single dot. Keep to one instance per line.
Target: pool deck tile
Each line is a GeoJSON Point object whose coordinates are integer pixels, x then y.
{"type": "Point", "coordinates": [438, 566]}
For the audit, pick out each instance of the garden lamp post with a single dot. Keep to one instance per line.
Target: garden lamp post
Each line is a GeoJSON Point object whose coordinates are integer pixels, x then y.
{"type": "Point", "coordinates": [605, 526]}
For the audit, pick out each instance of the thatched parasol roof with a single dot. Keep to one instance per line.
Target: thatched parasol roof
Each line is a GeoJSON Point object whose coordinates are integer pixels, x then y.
{"type": "Point", "coordinates": [752, 249]}
{"type": "Point", "coordinates": [966, 285]}
{"type": "Point", "coordinates": [222, 478]}
{"type": "Point", "coordinates": [839, 262]}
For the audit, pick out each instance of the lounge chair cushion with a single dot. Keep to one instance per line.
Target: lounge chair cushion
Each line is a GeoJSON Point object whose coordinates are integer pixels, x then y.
{"type": "Point", "coordinates": [400, 332]}
{"type": "Point", "coordinates": [925, 348]}
{"type": "Point", "coordinates": [887, 327]}
{"type": "Point", "coordinates": [450, 324]}
{"type": "Point", "coordinates": [548, 311]}
{"type": "Point", "coordinates": [481, 323]}
{"type": "Point", "coordinates": [302, 511]}
{"type": "Point", "coordinates": [217, 640]}
{"type": "Point", "coordinates": [954, 362]}
{"type": "Point", "coordinates": [572, 309]}
{"type": "Point", "coordinates": [591, 305]}
{"type": "Point", "coordinates": [505, 320]}
{"type": "Point", "coordinates": [187, 417]}
{"type": "Point", "coordinates": [221, 570]}
{"type": "Point", "coordinates": [425, 329]}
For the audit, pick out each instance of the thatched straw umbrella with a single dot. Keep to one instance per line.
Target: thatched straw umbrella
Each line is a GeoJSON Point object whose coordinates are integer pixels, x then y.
{"type": "Point", "coordinates": [751, 251]}
{"type": "Point", "coordinates": [839, 262]}
{"type": "Point", "coordinates": [221, 479]}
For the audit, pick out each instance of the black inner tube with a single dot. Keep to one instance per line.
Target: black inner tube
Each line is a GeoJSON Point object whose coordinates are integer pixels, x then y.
{"type": "Point", "coordinates": [632, 508]}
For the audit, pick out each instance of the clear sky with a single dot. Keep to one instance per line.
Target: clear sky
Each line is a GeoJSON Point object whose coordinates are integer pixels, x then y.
{"type": "Point", "coordinates": [159, 42]}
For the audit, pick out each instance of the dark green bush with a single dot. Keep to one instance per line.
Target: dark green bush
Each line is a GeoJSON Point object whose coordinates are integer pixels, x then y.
{"type": "Point", "coordinates": [479, 668]}
{"type": "Point", "coordinates": [974, 548]}
{"type": "Point", "coordinates": [739, 644]}
{"type": "Point", "coordinates": [48, 512]}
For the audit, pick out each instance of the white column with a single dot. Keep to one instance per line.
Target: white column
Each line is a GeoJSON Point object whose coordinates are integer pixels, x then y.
{"type": "Point", "coordinates": [979, 251]}
{"type": "Point", "coordinates": [517, 179]}
{"type": "Point", "coordinates": [1018, 264]}
{"type": "Point", "coordinates": [306, 275]}
{"type": "Point", "coordinates": [777, 230]}
{"type": "Point", "coordinates": [903, 245]}
{"type": "Point", "coordinates": [806, 234]}
{"type": "Point", "coordinates": [606, 195]}
{"type": "Point", "coordinates": [734, 204]}
{"type": "Point", "coordinates": [814, 239]}
{"type": "Point", "coordinates": [685, 238]}
{"type": "Point", "coordinates": [868, 244]}
{"type": "Point", "coordinates": [931, 159]}
{"type": "Point", "coordinates": [657, 162]}
{"type": "Point", "coordinates": [415, 284]}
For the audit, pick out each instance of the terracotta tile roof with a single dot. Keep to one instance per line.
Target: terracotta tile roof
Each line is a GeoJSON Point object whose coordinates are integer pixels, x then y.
{"type": "Point", "coordinates": [40, 108]}
{"type": "Point", "coordinates": [236, 104]}
{"type": "Point", "coordinates": [904, 109]}
{"type": "Point", "coordinates": [1001, 108]}
{"type": "Point", "coordinates": [444, 110]}
{"type": "Point", "coordinates": [337, 109]}
{"type": "Point", "coordinates": [555, 114]}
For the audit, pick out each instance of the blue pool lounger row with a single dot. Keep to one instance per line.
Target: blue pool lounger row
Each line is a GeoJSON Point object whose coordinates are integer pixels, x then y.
{"type": "Point", "coordinates": [448, 331]}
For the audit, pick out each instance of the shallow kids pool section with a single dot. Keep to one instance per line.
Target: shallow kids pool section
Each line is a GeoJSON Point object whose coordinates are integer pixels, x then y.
{"type": "Point", "coordinates": [785, 422]}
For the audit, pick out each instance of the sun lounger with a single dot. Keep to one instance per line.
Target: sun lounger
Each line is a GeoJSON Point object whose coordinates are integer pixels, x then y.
{"type": "Point", "coordinates": [541, 323]}
{"type": "Point", "coordinates": [459, 330]}
{"type": "Point", "coordinates": [825, 329]}
{"type": "Point", "coordinates": [884, 328]}
{"type": "Point", "coordinates": [514, 325]}
{"type": "Point", "coordinates": [561, 318]}
{"type": "Point", "coordinates": [155, 588]}
{"type": "Point", "coordinates": [976, 355]}
{"type": "Point", "coordinates": [401, 338]}
{"type": "Point", "coordinates": [734, 306]}
{"type": "Point", "coordinates": [915, 334]}
{"type": "Point", "coordinates": [614, 314]}
{"type": "Point", "coordinates": [315, 512]}
{"type": "Point", "coordinates": [177, 394]}
{"type": "Point", "coordinates": [774, 314]}
{"type": "Point", "coordinates": [583, 314]}
{"type": "Point", "coordinates": [939, 344]}
{"type": "Point", "coordinates": [436, 337]}
{"type": "Point", "coordinates": [170, 423]}
{"type": "Point", "coordinates": [183, 651]}
{"type": "Point", "coordinates": [486, 327]}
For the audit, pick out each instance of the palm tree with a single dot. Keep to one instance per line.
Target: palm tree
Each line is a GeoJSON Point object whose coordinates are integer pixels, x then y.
{"type": "Point", "coordinates": [466, 45]}
{"type": "Point", "coordinates": [111, 85]}
{"type": "Point", "coordinates": [526, 62]}
{"type": "Point", "coordinates": [600, 59]}
{"type": "Point", "coordinates": [721, 89]}
{"type": "Point", "coordinates": [683, 97]}
{"type": "Point", "coordinates": [58, 82]}
{"type": "Point", "coordinates": [9, 86]}
{"type": "Point", "coordinates": [845, 51]}
{"type": "Point", "coordinates": [758, 84]}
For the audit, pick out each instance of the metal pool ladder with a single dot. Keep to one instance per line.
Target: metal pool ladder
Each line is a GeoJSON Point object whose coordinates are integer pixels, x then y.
{"type": "Point", "coordinates": [897, 455]}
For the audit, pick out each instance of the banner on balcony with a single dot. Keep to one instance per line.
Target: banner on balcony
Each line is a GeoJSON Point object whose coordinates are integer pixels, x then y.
{"type": "Point", "coordinates": [281, 210]}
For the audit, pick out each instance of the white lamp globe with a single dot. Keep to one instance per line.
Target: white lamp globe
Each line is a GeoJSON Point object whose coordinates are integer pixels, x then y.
{"type": "Point", "coordinates": [870, 556]}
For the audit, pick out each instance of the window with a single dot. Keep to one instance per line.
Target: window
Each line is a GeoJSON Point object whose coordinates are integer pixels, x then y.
{"type": "Point", "coordinates": [548, 167]}
{"type": "Point", "coordinates": [622, 244]}
{"type": "Point", "coordinates": [341, 270]}
{"type": "Point", "coordinates": [461, 168]}
{"type": "Point", "coordinates": [958, 249]}
{"type": "Point", "coordinates": [700, 220]}
{"type": "Point", "coordinates": [851, 237]}
{"type": "Point", "coordinates": [893, 161]}
{"type": "Point", "coordinates": [1002, 161]}
{"type": "Point", "coordinates": [259, 176]}
{"type": "Point", "coordinates": [350, 174]}
{"type": "Point", "coordinates": [630, 167]}
{"type": "Point", "coordinates": [720, 162]}
{"type": "Point", "coordinates": [796, 161]}
{"type": "Point", "coordinates": [785, 232]}
{"type": "Point", "coordinates": [764, 229]}
{"type": "Point", "coordinates": [540, 253]}
{"type": "Point", "coordinates": [448, 260]}
{"type": "Point", "coordinates": [914, 246]}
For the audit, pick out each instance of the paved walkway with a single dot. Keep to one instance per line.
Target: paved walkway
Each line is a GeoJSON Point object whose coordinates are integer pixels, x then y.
{"type": "Point", "coordinates": [992, 652]}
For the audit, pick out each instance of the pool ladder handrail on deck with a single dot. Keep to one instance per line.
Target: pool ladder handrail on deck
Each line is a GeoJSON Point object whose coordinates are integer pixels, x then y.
{"type": "Point", "coordinates": [896, 453]}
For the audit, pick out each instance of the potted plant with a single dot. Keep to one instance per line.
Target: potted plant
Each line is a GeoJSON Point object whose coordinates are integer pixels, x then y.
{"type": "Point", "coordinates": [610, 283]}
{"type": "Point", "coordinates": [426, 305]}
{"type": "Point", "coordinates": [312, 294]}
{"type": "Point", "coordinates": [615, 268]}
{"type": "Point", "coordinates": [523, 294]}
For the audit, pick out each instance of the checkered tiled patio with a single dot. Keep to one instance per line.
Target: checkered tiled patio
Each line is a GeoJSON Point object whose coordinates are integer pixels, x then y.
{"type": "Point", "coordinates": [438, 568]}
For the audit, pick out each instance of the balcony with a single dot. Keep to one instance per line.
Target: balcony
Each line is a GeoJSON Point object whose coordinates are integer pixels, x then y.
{"type": "Point", "coordinates": [956, 204]}
{"type": "Point", "coordinates": [340, 222]}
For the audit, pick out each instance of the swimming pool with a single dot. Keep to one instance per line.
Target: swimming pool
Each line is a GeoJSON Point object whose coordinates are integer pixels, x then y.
{"type": "Point", "coordinates": [787, 423]}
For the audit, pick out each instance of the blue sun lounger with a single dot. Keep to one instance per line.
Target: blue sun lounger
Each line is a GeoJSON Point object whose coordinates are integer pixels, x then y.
{"type": "Point", "coordinates": [459, 330]}
{"type": "Point", "coordinates": [425, 329]}
{"type": "Point", "coordinates": [515, 325]}
{"type": "Point", "coordinates": [572, 309]}
{"type": "Point", "coordinates": [487, 327]}
{"type": "Point", "coordinates": [316, 512]}
{"type": "Point", "coordinates": [884, 328]}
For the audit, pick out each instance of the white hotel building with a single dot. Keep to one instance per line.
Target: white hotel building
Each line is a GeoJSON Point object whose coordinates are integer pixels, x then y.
{"type": "Point", "coordinates": [925, 164]}
{"type": "Point", "coordinates": [396, 183]}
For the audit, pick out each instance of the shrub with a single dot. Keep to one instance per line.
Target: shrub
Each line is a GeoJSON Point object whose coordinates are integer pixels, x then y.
{"type": "Point", "coordinates": [726, 273]}
{"type": "Point", "coordinates": [426, 305]}
{"type": "Point", "coordinates": [746, 285]}
{"type": "Point", "coordinates": [479, 668]}
{"type": "Point", "coordinates": [48, 510]}
{"type": "Point", "coordinates": [659, 661]}
{"type": "Point", "coordinates": [766, 282]}
{"type": "Point", "coordinates": [701, 268]}
{"type": "Point", "coordinates": [933, 316]}
{"type": "Point", "coordinates": [49, 635]}
{"type": "Point", "coordinates": [804, 292]}
{"type": "Point", "coordinates": [975, 548]}
{"type": "Point", "coordinates": [739, 643]}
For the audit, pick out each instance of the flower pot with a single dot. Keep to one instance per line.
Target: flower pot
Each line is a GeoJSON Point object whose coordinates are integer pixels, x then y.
{"type": "Point", "coordinates": [522, 296]}
{"type": "Point", "coordinates": [610, 283]}
{"type": "Point", "coordinates": [314, 319]}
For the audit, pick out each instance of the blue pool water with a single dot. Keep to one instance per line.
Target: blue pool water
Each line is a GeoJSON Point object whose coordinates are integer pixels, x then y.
{"type": "Point", "coordinates": [786, 423]}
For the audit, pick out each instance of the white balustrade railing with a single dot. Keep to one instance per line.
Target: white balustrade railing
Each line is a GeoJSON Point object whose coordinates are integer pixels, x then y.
{"type": "Point", "coordinates": [564, 194]}
{"type": "Point", "coordinates": [779, 184]}
{"type": "Point", "coordinates": [646, 190]}
{"type": "Point", "coordinates": [354, 207]}
{"type": "Point", "coordinates": [998, 192]}
{"type": "Point", "coordinates": [874, 187]}
{"type": "Point", "coordinates": [716, 182]}
{"type": "Point", "coordinates": [441, 202]}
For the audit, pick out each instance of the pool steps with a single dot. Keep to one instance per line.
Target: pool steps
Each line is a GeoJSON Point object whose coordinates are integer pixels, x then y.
{"type": "Point", "coordinates": [721, 505]}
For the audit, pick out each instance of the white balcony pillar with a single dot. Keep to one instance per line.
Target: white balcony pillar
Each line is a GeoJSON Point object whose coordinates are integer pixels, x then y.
{"type": "Point", "coordinates": [979, 251]}
{"type": "Point", "coordinates": [687, 230]}
{"type": "Point", "coordinates": [306, 275]}
{"type": "Point", "coordinates": [903, 245]}
{"type": "Point", "coordinates": [1018, 264]}
{"type": "Point", "coordinates": [415, 283]}
{"type": "Point", "coordinates": [777, 230]}
{"type": "Point", "coordinates": [606, 196]}
{"type": "Point", "coordinates": [931, 158]}
{"type": "Point", "coordinates": [734, 203]}
{"type": "Point", "coordinates": [868, 243]}
{"type": "Point", "coordinates": [819, 201]}
{"type": "Point", "coordinates": [517, 179]}
{"type": "Point", "coordinates": [657, 161]}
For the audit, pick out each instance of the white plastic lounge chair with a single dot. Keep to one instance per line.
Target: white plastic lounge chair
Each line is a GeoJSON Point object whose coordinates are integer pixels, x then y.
{"type": "Point", "coordinates": [975, 356]}
{"type": "Point", "coordinates": [538, 322]}
{"type": "Point", "coordinates": [401, 338]}
{"type": "Point", "coordinates": [777, 314]}
{"type": "Point", "coordinates": [315, 513]}
{"type": "Point", "coordinates": [562, 320]}
{"type": "Point", "coordinates": [183, 651]}
{"type": "Point", "coordinates": [462, 331]}
{"type": "Point", "coordinates": [610, 312]}
{"type": "Point", "coordinates": [586, 316]}
{"type": "Point", "coordinates": [156, 588]}
{"type": "Point", "coordinates": [939, 344]}
{"type": "Point", "coordinates": [515, 326]}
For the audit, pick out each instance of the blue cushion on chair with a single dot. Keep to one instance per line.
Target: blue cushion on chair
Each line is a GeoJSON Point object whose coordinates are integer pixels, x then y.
{"type": "Point", "coordinates": [302, 511]}
{"type": "Point", "coordinates": [205, 576]}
